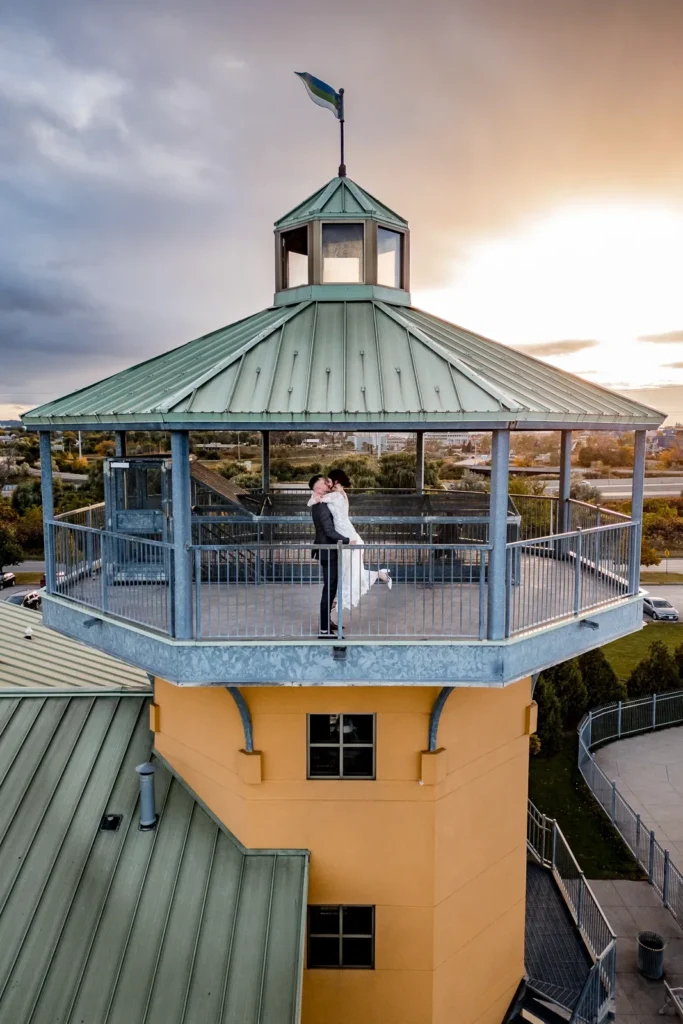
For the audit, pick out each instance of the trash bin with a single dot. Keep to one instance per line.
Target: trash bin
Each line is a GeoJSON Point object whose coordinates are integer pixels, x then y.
{"type": "Point", "coordinates": [651, 955]}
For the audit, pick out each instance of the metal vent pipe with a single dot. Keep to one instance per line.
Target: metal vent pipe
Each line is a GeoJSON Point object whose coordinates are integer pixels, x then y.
{"type": "Point", "coordinates": [148, 817]}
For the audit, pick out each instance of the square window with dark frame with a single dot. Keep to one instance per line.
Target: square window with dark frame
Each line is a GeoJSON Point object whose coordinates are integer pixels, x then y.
{"type": "Point", "coordinates": [341, 746]}
{"type": "Point", "coordinates": [341, 937]}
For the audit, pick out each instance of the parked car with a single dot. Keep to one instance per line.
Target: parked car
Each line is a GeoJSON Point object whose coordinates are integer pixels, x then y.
{"type": "Point", "coordinates": [658, 608]}
{"type": "Point", "coordinates": [32, 600]}
{"type": "Point", "coordinates": [7, 579]}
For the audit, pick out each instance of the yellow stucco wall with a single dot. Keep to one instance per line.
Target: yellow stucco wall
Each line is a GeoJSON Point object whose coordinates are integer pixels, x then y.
{"type": "Point", "coordinates": [443, 864]}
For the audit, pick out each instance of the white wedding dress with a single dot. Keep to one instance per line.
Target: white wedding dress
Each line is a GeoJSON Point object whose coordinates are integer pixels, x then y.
{"type": "Point", "coordinates": [356, 579]}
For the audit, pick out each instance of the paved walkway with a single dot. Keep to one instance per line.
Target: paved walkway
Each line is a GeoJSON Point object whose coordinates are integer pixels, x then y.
{"type": "Point", "coordinates": [630, 908]}
{"type": "Point", "coordinates": [648, 771]}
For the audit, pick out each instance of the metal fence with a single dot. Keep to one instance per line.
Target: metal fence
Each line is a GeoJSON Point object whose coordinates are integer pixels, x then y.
{"type": "Point", "coordinates": [274, 590]}
{"type": "Point", "coordinates": [582, 515]}
{"type": "Point", "coordinates": [124, 576]}
{"type": "Point", "coordinates": [92, 516]}
{"type": "Point", "coordinates": [552, 578]}
{"type": "Point", "coordinates": [538, 514]}
{"type": "Point", "coordinates": [548, 845]}
{"type": "Point", "coordinates": [613, 722]}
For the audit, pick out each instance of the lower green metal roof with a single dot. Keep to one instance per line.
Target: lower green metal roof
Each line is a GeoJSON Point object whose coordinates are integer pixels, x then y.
{"type": "Point", "coordinates": [176, 926]}
{"type": "Point", "coordinates": [345, 365]}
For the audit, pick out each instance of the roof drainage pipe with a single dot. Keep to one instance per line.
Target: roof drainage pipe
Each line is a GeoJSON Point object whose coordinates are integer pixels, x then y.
{"type": "Point", "coordinates": [148, 817]}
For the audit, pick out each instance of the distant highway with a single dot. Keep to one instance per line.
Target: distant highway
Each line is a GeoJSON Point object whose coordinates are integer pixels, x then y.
{"type": "Point", "coordinates": [655, 487]}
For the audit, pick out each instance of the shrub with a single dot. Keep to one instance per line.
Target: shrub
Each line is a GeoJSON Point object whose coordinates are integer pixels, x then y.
{"type": "Point", "coordinates": [600, 679]}
{"type": "Point", "coordinates": [549, 730]}
{"type": "Point", "coordinates": [656, 673]}
{"type": "Point", "coordinates": [535, 745]}
{"type": "Point", "coordinates": [570, 690]}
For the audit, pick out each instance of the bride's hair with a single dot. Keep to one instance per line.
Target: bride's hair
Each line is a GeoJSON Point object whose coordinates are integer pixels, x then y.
{"type": "Point", "coordinates": [338, 476]}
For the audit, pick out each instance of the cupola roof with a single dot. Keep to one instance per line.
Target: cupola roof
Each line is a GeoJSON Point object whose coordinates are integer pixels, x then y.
{"type": "Point", "coordinates": [339, 199]}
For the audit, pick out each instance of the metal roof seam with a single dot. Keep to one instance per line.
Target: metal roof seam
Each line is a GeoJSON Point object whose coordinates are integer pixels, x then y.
{"type": "Point", "coordinates": [415, 373]}
{"type": "Point", "coordinates": [314, 331]}
{"type": "Point", "coordinates": [379, 360]}
{"type": "Point", "coordinates": [228, 952]}
{"type": "Point", "coordinates": [29, 778]}
{"type": "Point", "coordinates": [276, 360]}
{"type": "Point", "coordinates": [266, 936]}
{"type": "Point", "coordinates": [200, 918]}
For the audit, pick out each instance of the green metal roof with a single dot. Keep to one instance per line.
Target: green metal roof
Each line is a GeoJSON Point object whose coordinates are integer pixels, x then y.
{"type": "Point", "coordinates": [51, 661]}
{"type": "Point", "coordinates": [339, 199]}
{"type": "Point", "coordinates": [175, 926]}
{"type": "Point", "coordinates": [343, 365]}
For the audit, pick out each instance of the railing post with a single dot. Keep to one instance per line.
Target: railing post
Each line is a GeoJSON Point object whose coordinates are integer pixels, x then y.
{"type": "Point", "coordinates": [482, 595]}
{"type": "Point", "coordinates": [651, 858]}
{"type": "Point", "coordinates": [579, 905]}
{"type": "Point", "coordinates": [619, 708]}
{"type": "Point", "coordinates": [500, 459]}
{"type": "Point", "coordinates": [543, 831]}
{"type": "Point", "coordinates": [340, 604]}
{"type": "Point", "coordinates": [638, 829]}
{"type": "Point", "coordinates": [554, 845]}
{"type": "Point", "coordinates": [48, 508]}
{"type": "Point", "coordinates": [654, 711]}
{"type": "Point", "coordinates": [613, 809]}
{"type": "Point", "coordinates": [420, 461]}
{"type": "Point", "coordinates": [665, 883]}
{"type": "Point", "coordinates": [637, 493]}
{"type": "Point", "coordinates": [577, 573]}
{"type": "Point", "coordinates": [182, 532]}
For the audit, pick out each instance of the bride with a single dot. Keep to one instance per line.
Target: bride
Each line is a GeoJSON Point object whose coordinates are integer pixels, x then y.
{"type": "Point", "coordinates": [356, 579]}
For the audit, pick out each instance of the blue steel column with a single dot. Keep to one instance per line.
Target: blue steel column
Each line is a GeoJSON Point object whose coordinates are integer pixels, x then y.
{"type": "Point", "coordinates": [182, 533]}
{"type": "Point", "coordinates": [563, 506]}
{"type": "Point", "coordinates": [420, 462]}
{"type": "Point", "coordinates": [637, 490]}
{"type": "Point", "coordinates": [48, 507]}
{"type": "Point", "coordinates": [120, 441]}
{"type": "Point", "coordinates": [498, 527]}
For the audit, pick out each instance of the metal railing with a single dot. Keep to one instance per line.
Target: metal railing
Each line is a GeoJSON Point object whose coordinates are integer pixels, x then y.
{"type": "Point", "coordinates": [555, 577]}
{"type": "Point", "coordinates": [123, 576]}
{"type": "Point", "coordinates": [235, 597]}
{"type": "Point", "coordinates": [538, 514]}
{"type": "Point", "coordinates": [92, 516]}
{"type": "Point", "coordinates": [626, 718]}
{"type": "Point", "coordinates": [583, 515]}
{"type": "Point", "coordinates": [548, 845]}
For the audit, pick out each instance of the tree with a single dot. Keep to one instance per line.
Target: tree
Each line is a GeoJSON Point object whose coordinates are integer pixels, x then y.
{"type": "Point", "coordinates": [600, 679]}
{"type": "Point", "coordinates": [678, 658]}
{"type": "Point", "coordinates": [579, 490]}
{"type": "Point", "coordinates": [648, 555]}
{"type": "Point", "coordinates": [656, 673]}
{"type": "Point", "coordinates": [570, 690]}
{"type": "Point", "coordinates": [398, 470]}
{"type": "Point", "coordinates": [29, 530]}
{"type": "Point", "coordinates": [10, 548]}
{"type": "Point", "coordinates": [549, 717]}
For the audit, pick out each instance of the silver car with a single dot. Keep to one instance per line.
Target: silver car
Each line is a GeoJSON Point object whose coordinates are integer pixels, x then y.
{"type": "Point", "coordinates": [658, 608]}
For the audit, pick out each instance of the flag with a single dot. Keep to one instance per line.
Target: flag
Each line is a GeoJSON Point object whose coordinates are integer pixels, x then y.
{"type": "Point", "coordinates": [322, 94]}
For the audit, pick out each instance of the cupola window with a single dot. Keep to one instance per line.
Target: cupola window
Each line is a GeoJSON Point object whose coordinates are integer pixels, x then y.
{"type": "Point", "coordinates": [295, 258]}
{"type": "Point", "coordinates": [389, 257]}
{"type": "Point", "coordinates": [342, 253]}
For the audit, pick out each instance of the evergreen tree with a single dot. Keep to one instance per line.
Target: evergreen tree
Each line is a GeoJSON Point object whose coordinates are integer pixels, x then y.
{"type": "Point", "coordinates": [656, 673]}
{"type": "Point", "coordinates": [10, 549]}
{"type": "Point", "coordinates": [549, 717]}
{"type": "Point", "coordinates": [600, 679]}
{"type": "Point", "coordinates": [678, 658]}
{"type": "Point", "coordinates": [570, 690]}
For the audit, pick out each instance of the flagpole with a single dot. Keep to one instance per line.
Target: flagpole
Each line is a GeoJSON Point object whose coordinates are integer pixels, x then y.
{"type": "Point", "coordinates": [342, 165]}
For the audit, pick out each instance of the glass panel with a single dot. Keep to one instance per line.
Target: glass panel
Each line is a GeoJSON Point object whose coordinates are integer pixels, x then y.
{"type": "Point", "coordinates": [342, 253]}
{"type": "Point", "coordinates": [356, 952]}
{"type": "Point", "coordinates": [295, 258]}
{"type": "Point", "coordinates": [324, 728]}
{"type": "Point", "coordinates": [324, 952]}
{"type": "Point", "coordinates": [389, 254]}
{"type": "Point", "coordinates": [357, 729]}
{"type": "Point", "coordinates": [324, 762]}
{"type": "Point", "coordinates": [323, 920]}
{"type": "Point", "coordinates": [357, 920]}
{"type": "Point", "coordinates": [358, 762]}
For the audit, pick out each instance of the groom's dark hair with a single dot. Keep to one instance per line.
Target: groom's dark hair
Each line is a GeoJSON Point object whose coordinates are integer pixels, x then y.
{"type": "Point", "coordinates": [314, 479]}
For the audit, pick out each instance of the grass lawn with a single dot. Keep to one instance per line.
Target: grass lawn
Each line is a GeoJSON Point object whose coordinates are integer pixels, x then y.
{"type": "Point", "coordinates": [660, 576]}
{"type": "Point", "coordinates": [28, 577]}
{"type": "Point", "coordinates": [623, 655]}
{"type": "Point", "coordinates": [558, 790]}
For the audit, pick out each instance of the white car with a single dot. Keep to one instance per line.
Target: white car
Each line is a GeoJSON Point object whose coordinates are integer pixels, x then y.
{"type": "Point", "coordinates": [658, 608]}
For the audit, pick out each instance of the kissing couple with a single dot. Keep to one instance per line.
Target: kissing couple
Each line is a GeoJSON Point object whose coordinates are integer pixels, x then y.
{"type": "Point", "coordinates": [329, 505]}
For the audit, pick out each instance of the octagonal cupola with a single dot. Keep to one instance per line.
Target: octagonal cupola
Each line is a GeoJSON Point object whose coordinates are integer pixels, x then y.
{"type": "Point", "coordinates": [341, 244]}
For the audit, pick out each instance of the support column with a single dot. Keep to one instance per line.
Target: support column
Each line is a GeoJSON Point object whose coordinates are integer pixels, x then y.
{"type": "Point", "coordinates": [120, 441]}
{"type": "Point", "coordinates": [182, 533]}
{"type": "Point", "coordinates": [265, 461]}
{"type": "Point", "coordinates": [637, 492]}
{"type": "Point", "coordinates": [498, 528]}
{"type": "Point", "coordinates": [420, 462]}
{"type": "Point", "coordinates": [48, 504]}
{"type": "Point", "coordinates": [564, 523]}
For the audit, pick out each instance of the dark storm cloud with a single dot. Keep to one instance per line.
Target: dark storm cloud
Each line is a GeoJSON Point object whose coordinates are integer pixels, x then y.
{"type": "Point", "coordinates": [557, 348]}
{"type": "Point", "coordinates": [40, 297]}
{"type": "Point", "coordinates": [670, 337]}
{"type": "Point", "coordinates": [145, 149]}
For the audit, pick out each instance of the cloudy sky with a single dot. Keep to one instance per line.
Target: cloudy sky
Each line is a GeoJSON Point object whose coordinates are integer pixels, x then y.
{"type": "Point", "coordinates": [146, 148]}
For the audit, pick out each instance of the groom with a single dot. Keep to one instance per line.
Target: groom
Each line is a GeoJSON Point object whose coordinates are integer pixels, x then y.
{"type": "Point", "coordinates": [325, 533]}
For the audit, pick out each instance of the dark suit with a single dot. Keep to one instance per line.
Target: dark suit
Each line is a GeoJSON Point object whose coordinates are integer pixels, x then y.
{"type": "Point", "coordinates": [325, 533]}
